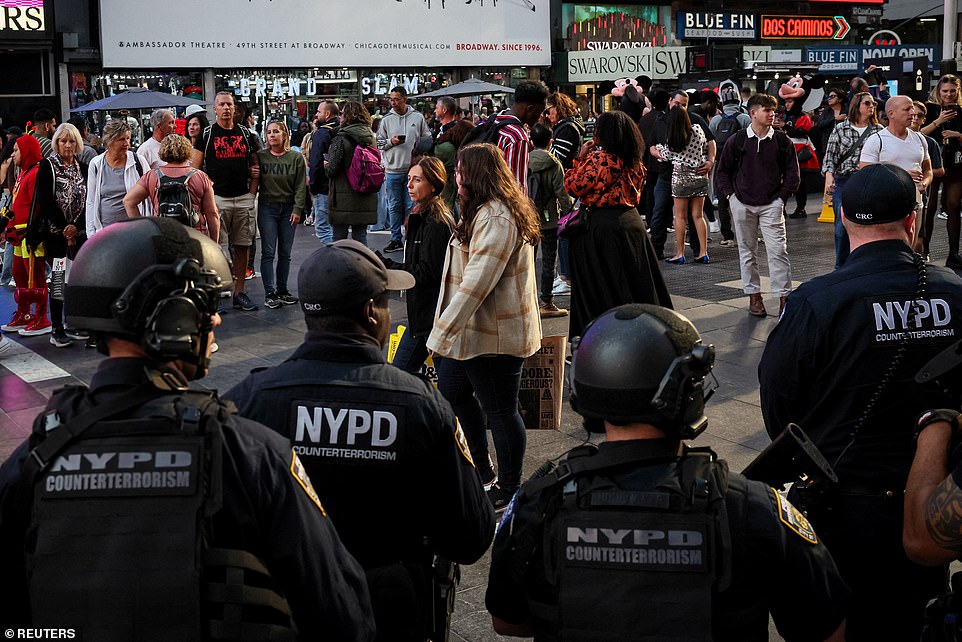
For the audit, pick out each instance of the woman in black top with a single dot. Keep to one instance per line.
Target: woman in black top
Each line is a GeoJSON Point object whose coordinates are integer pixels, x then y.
{"type": "Point", "coordinates": [429, 229]}
{"type": "Point", "coordinates": [945, 126]}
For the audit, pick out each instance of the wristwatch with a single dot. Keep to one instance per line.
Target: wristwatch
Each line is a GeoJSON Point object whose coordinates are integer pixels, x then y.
{"type": "Point", "coordinates": [939, 414]}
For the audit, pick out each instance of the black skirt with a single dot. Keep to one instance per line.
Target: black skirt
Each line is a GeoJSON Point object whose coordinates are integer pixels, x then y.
{"type": "Point", "coordinates": [612, 262]}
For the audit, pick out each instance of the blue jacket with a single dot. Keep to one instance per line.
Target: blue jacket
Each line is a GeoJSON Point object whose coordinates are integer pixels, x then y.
{"type": "Point", "coordinates": [320, 144]}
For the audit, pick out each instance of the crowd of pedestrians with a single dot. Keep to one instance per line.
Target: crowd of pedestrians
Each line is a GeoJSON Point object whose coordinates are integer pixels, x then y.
{"type": "Point", "coordinates": [469, 205]}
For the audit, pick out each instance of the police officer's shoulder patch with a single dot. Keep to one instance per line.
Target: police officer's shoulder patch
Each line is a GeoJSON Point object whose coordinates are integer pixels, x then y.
{"type": "Point", "coordinates": [462, 442]}
{"type": "Point", "coordinates": [793, 519]}
{"type": "Point", "coordinates": [300, 475]}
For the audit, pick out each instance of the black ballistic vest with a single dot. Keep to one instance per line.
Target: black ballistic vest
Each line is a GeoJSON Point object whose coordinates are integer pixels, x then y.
{"type": "Point", "coordinates": [636, 564]}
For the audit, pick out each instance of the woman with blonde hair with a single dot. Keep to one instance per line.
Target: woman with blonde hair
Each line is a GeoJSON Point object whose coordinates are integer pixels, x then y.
{"type": "Point", "coordinates": [429, 229]}
{"type": "Point", "coordinates": [946, 128]}
{"type": "Point", "coordinates": [110, 176]}
{"type": "Point", "coordinates": [487, 319]}
{"type": "Point", "coordinates": [282, 192]}
{"type": "Point", "coordinates": [175, 152]}
{"type": "Point", "coordinates": [57, 220]}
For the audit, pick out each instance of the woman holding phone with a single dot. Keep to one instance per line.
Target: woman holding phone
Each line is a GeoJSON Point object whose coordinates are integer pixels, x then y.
{"type": "Point", "coordinates": [945, 113]}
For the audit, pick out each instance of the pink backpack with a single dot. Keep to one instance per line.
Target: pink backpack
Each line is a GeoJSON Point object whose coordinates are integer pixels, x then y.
{"type": "Point", "coordinates": [366, 175]}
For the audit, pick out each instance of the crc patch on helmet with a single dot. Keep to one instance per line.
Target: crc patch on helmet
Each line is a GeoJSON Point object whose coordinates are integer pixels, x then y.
{"type": "Point", "coordinates": [462, 442]}
{"type": "Point", "coordinates": [300, 474]}
{"type": "Point", "coordinates": [347, 432]}
{"type": "Point", "coordinates": [793, 518]}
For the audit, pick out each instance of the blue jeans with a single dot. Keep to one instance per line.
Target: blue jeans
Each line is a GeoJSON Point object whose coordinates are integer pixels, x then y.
{"type": "Point", "coordinates": [661, 213]}
{"type": "Point", "coordinates": [563, 269]}
{"type": "Point", "coordinates": [277, 235]}
{"type": "Point", "coordinates": [7, 264]}
{"type": "Point", "coordinates": [482, 387]}
{"type": "Point", "coordinates": [841, 236]}
{"type": "Point", "coordinates": [382, 217]}
{"type": "Point", "coordinates": [358, 232]}
{"type": "Point", "coordinates": [399, 202]}
{"type": "Point", "coordinates": [322, 228]}
{"type": "Point", "coordinates": [411, 352]}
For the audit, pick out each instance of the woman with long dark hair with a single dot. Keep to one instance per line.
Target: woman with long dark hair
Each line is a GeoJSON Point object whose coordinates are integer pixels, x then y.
{"type": "Point", "coordinates": [195, 126]}
{"type": "Point", "coordinates": [429, 229]}
{"type": "Point", "coordinates": [842, 154]}
{"type": "Point", "coordinates": [487, 318]}
{"type": "Point", "coordinates": [687, 150]}
{"type": "Point", "coordinates": [612, 259]}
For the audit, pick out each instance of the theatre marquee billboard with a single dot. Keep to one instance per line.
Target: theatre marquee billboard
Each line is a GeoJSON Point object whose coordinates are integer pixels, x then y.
{"type": "Point", "coordinates": [333, 33]}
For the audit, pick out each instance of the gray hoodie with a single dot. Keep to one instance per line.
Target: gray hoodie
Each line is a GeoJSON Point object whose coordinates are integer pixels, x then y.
{"type": "Point", "coordinates": [397, 158]}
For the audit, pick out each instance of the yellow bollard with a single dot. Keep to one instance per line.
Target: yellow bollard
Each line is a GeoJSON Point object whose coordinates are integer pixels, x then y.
{"type": "Point", "coordinates": [828, 214]}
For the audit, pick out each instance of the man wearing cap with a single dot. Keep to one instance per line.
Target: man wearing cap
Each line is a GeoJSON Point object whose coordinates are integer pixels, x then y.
{"type": "Point", "coordinates": [381, 446]}
{"type": "Point", "coordinates": [841, 364]}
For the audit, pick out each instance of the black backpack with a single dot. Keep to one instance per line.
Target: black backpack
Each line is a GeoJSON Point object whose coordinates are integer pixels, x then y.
{"type": "Point", "coordinates": [727, 127]}
{"type": "Point", "coordinates": [173, 198]}
{"type": "Point", "coordinates": [487, 132]}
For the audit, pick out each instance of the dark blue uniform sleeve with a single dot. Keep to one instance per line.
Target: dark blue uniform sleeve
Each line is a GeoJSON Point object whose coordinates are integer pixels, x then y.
{"type": "Point", "coordinates": [323, 583]}
{"type": "Point", "coordinates": [15, 606]}
{"type": "Point", "coordinates": [806, 594]}
{"type": "Point", "coordinates": [464, 523]}
{"type": "Point", "coordinates": [787, 367]}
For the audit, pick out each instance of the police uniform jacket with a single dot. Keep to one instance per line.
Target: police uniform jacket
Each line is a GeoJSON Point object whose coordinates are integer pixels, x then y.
{"type": "Point", "coordinates": [381, 447]}
{"type": "Point", "coordinates": [836, 340]}
{"type": "Point", "coordinates": [778, 566]}
{"type": "Point", "coordinates": [266, 511]}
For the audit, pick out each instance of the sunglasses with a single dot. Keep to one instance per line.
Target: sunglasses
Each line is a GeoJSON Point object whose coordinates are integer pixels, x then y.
{"type": "Point", "coordinates": [869, 102]}
{"type": "Point", "coordinates": [833, 95]}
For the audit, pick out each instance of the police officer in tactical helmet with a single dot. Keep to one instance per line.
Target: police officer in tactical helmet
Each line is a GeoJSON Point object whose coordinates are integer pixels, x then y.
{"type": "Point", "coordinates": [644, 537]}
{"type": "Point", "coordinates": [142, 509]}
{"type": "Point", "coordinates": [382, 446]}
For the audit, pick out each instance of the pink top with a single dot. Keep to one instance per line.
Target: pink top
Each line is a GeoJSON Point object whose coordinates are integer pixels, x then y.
{"type": "Point", "coordinates": [199, 187]}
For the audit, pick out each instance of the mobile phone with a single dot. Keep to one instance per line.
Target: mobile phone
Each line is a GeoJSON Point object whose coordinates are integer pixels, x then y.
{"type": "Point", "coordinates": [401, 139]}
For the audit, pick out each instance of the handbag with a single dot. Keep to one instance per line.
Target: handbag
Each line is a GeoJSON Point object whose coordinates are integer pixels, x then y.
{"type": "Point", "coordinates": [574, 221]}
{"type": "Point", "coordinates": [805, 154]}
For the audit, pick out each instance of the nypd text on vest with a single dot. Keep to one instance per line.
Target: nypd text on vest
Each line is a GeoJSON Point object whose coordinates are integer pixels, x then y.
{"type": "Point", "coordinates": [346, 430]}
{"type": "Point", "coordinates": [635, 547]}
{"type": "Point", "coordinates": [135, 470]}
{"type": "Point", "coordinates": [918, 319]}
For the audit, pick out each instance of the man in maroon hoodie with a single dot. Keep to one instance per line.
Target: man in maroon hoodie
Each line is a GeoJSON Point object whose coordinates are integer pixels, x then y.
{"type": "Point", "coordinates": [758, 173]}
{"type": "Point", "coordinates": [27, 156]}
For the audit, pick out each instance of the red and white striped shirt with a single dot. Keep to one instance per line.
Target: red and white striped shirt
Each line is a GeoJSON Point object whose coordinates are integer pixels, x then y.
{"type": "Point", "coordinates": [514, 142]}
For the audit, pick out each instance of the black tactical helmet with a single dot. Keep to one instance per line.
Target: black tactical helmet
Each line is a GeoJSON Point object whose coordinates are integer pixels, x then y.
{"type": "Point", "coordinates": [152, 281]}
{"type": "Point", "coordinates": [642, 363]}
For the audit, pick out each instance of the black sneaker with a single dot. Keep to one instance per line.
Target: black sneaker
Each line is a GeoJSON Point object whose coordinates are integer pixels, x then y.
{"type": "Point", "coordinates": [79, 335]}
{"type": "Point", "coordinates": [394, 246]}
{"type": "Point", "coordinates": [287, 298]}
{"type": "Point", "coordinates": [271, 301]}
{"type": "Point", "coordinates": [499, 498]}
{"type": "Point", "coordinates": [59, 338]}
{"type": "Point", "coordinates": [243, 302]}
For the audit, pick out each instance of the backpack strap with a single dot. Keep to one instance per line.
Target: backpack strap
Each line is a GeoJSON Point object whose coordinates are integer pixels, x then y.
{"type": "Point", "coordinates": [140, 169]}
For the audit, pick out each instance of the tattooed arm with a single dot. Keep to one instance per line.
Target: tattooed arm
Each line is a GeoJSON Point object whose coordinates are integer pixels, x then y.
{"type": "Point", "coordinates": [932, 533]}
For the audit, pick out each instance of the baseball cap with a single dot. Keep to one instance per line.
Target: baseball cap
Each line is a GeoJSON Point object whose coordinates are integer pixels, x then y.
{"type": "Point", "coordinates": [192, 109]}
{"type": "Point", "coordinates": [345, 274]}
{"type": "Point", "coordinates": [879, 193]}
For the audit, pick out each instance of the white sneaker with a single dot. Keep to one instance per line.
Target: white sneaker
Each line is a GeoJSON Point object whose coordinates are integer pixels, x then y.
{"type": "Point", "coordinates": [561, 289]}
{"type": "Point", "coordinates": [942, 216]}
{"type": "Point", "coordinates": [714, 227]}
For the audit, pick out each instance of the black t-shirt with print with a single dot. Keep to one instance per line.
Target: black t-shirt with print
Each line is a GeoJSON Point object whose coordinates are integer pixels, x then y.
{"type": "Point", "coordinates": [228, 155]}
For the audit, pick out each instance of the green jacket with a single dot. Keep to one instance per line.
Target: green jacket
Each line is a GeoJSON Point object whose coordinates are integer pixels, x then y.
{"type": "Point", "coordinates": [447, 153]}
{"type": "Point", "coordinates": [345, 206]}
{"type": "Point", "coordinates": [548, 170]}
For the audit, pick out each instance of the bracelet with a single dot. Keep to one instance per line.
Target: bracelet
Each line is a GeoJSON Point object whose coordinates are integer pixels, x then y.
{"type": "Point", "coordinates": [930, 417]}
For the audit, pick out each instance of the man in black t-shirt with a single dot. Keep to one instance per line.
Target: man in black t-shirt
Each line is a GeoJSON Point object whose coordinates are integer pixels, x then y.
{"type": "Point", "coordinates": [228, 153]}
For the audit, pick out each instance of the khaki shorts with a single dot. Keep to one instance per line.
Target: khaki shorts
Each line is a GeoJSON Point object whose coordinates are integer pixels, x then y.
{"type": "Point", "coordinates": [237, 219]}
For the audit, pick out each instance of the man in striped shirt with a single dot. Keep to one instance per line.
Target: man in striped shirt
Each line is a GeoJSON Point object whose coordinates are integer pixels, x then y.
{"type": "Point", "coordinates": [529, 103]}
